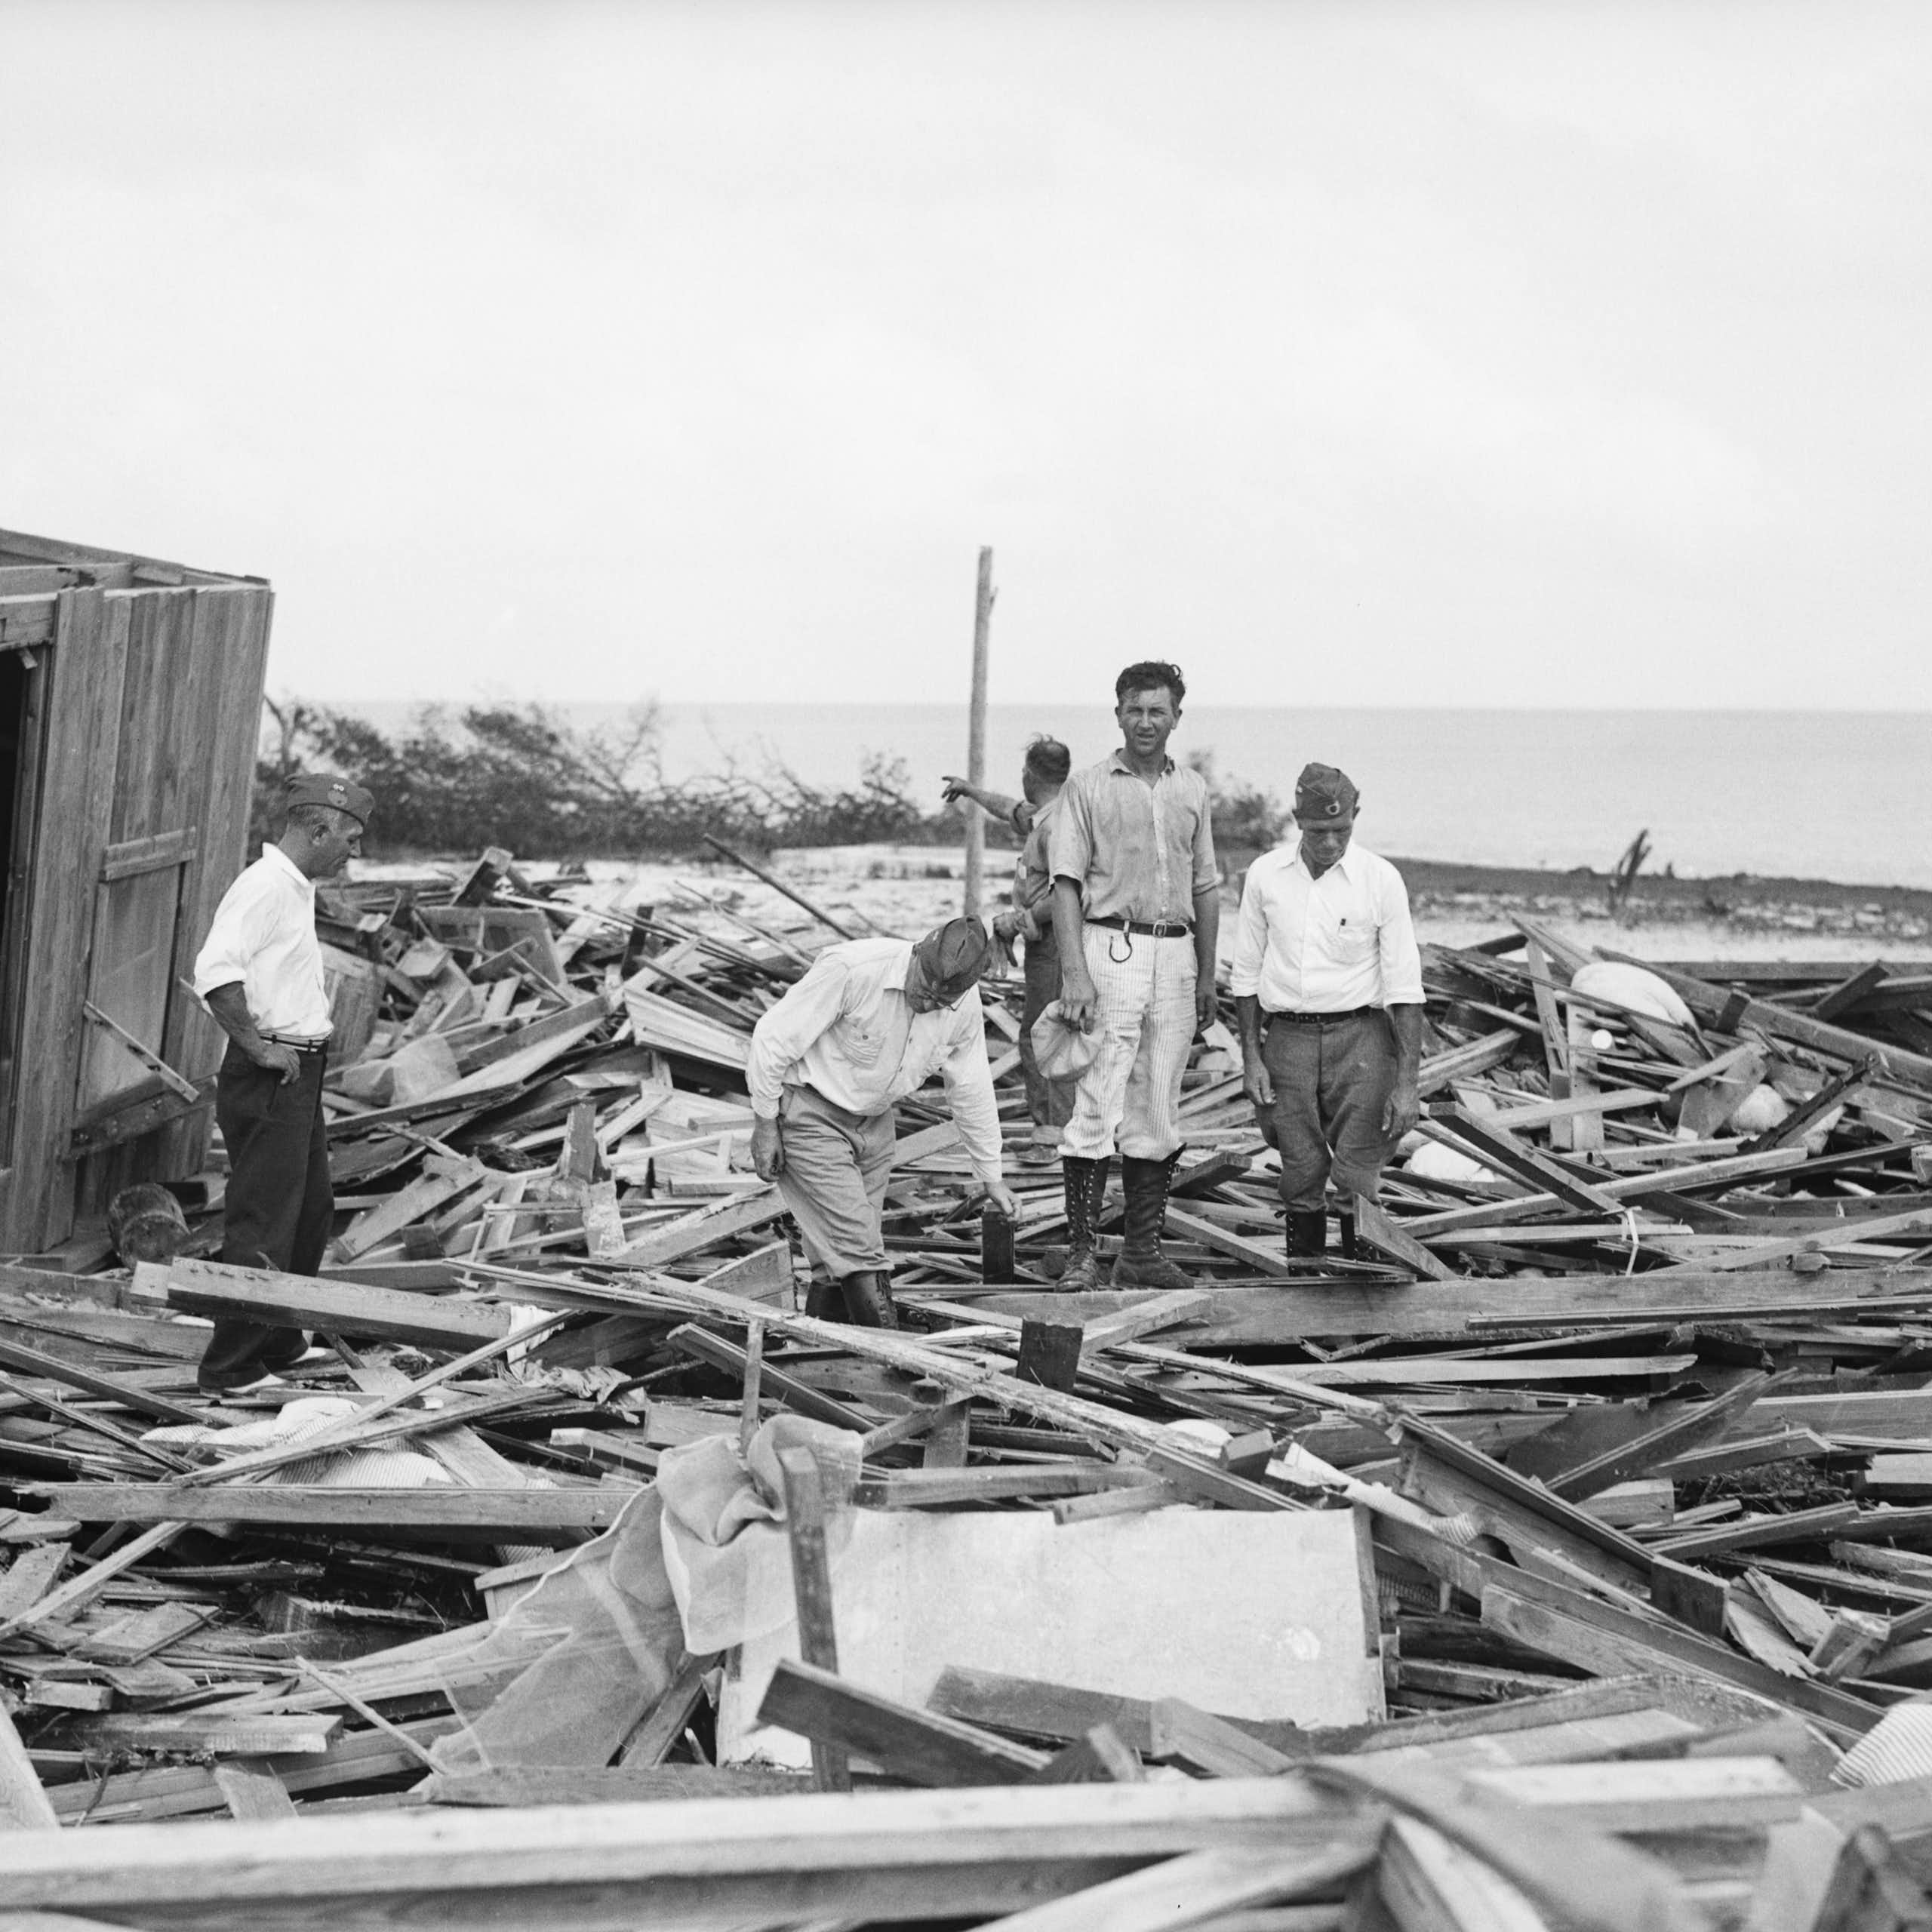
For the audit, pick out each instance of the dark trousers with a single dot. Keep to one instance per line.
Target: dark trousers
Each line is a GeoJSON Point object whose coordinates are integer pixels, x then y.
{"type": "Point", "coordinates": [1331, 1084]}
{"type": "Point", "coordinates": [1049, 1103]}
{"type": "Point", "coordinates": [278, 1204]}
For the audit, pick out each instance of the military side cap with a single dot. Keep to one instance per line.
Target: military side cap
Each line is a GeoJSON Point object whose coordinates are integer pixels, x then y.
{"type": "Point", "coordinates": [1322, 792]}
{"type": "Point", "coordinates": [324, 788]}
{"type": "Point", "coordinates": [956, 954]}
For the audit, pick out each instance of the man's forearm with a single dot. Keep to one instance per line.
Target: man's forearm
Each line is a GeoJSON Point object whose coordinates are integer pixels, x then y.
{"type": "Point", "coordinates": [1070, 925]}
{"type": "Point", "coordinates": [230, 1007]}
{"type": "Point", "coordinates": [1206, 932]}
{"type": "Point", "coordinates": [1247, 1025]}
{"type": "Point", "coordinates": [1407, 1021]}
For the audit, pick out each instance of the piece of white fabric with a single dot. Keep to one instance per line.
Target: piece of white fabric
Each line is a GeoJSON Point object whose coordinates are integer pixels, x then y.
{"type": "Point", "coordinates": [1326, 945]}
{"type": "Point", "coordinates": [263, 936]}
{"type": "Point", "coordinates": [726, 1548]}
{"type": "Point", "coordinates": [848, 1030]}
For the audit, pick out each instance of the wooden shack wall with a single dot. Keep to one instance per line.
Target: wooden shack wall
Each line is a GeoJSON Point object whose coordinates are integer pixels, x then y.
{"type": "Point", "coordinates": [152, 711]}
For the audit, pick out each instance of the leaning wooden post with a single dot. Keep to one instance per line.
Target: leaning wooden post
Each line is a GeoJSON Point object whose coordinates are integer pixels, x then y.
{"type": "Point", "coordinates": [811, 1586]}
{"type": "Point", "coordinates": [976, 733]}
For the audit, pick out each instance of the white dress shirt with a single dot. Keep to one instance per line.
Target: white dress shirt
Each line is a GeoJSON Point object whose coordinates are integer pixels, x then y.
{"type": "Point", "coordinates": [847, 1029]}
{"type": "Point", "coordinates": [1326, 945]}
{"type": "Point", "coordinates": [264, 936]}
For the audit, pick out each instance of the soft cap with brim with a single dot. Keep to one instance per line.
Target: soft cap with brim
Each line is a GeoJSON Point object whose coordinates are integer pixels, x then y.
{"type": "Point", "coordinates": [954, 955]}
{"type": "Point", "coordinates": [324, 788]}
{"type": "Point", "coordinates": [1060, 1050]}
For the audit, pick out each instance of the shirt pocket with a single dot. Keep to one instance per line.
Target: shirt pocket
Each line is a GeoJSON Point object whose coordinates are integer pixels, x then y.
{"type": "Point", "coordinates": [1354, 942]}
{"type": "Point", "coordinates": [859, 1041]}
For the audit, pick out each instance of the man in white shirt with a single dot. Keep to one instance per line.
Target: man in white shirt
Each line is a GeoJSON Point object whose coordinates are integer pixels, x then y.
{"type": "Point", "coordinates": [872, 1021]}
{"type": "Point", "coordinates": [260, 973]}
{"type": "Point", "coordinates": [1328, 996]}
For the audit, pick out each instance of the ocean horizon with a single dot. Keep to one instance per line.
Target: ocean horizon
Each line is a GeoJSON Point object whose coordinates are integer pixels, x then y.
{"type": "Point", "coordinates": [1843, 795]}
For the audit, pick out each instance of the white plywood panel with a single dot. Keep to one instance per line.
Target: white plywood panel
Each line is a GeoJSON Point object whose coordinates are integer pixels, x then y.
{"type": "Point", "coordinates": [1250, 1614]}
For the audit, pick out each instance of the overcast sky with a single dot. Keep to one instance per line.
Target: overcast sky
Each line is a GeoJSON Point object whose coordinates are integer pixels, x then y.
{"type": "Point", "coordinates": [1348, 354]}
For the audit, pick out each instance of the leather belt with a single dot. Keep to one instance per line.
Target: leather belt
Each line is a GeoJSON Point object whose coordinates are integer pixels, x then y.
{"type": "Point", "coordinates": [1322, 1018]}
{"type": "Point", "coordinates": [321, 1046]}
{"type": "Point", "coordinates": [1158, 929]}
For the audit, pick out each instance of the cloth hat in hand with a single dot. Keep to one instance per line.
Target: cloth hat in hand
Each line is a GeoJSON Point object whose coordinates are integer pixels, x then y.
{"type": "Point", "coordinates": [1061, 1050]}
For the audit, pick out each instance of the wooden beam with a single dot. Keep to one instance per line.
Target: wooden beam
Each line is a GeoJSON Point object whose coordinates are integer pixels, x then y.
{"type": "Point", "coordinates": [611, 1868]}
{"type": "Point", "coordinates": [302, 1301]}
{"type": "Point", "coordinates": [916, 1746]}
{"type": "Point", "coordinates": [451, 1514]}
{"type": "Point", "coordinates": [805, 1503]}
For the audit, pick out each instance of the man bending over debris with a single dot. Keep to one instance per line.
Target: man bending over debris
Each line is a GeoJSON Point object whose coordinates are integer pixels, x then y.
{"type": "Point", "coordinates": [1030, 918]}
{"type": "Point", "coordinates": [1136, 911]}
{"type": "Point", "coordinates": [260, 974]}
{"type": "Point", "coordinates": [1327, 986]}
{"type": "Point", "coordinates": [874, 1020]}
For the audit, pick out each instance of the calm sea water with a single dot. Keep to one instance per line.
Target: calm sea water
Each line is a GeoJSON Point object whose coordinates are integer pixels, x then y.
{"type": "Point", "coordinates": [1831, 795]}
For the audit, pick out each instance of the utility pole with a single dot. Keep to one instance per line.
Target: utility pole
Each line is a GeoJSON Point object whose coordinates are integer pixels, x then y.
{"type": "Point", "coordinates": [976, 739]}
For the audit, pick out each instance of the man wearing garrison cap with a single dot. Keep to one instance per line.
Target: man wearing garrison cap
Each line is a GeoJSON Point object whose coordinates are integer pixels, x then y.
{"type": "Point", "coordinates": [1327, 986]}
{"type": "Point", "coordinates": [873, 1020]}
{"type": "Point", "coordinates": [260, 973]}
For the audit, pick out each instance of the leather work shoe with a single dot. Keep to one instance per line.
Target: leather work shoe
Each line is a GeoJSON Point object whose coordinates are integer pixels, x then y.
{"type": "Point", "coordinates": [1308, 1235]}
{"type": "Point", "coordinates": [869, 1300]}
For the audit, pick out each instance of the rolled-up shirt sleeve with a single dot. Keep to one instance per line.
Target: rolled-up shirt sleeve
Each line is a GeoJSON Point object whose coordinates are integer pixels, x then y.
{"type": "Point", "coordinates": [782, 1035]}
{"type": "Point", "coordinates": [969, 1089]}
{"type": "Point", "coordinates": [1250, 940]}
{"type": "Point", "coordinates": [1207, 873]}
{"type": "Point", "coordinates": [1401, 958]}
{"type": "Point", "coordinates": [240, 928]}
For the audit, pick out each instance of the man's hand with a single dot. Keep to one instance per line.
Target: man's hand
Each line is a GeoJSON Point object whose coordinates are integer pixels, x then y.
{"type": "Point", "coordinates": [1402, 1109]}
{"type": "Point", "coordinates": [1206, 1005]}
{"type": "Point", "coordinates": [1003, 1197]}
{"type": "Point", "coordinates": [767, 1149]}
{"type": "Point", "coordinates": [1010, 923]}
{"type": "Point", "coordinates": [1259, 1086]}
{"type": "Point", "coordinates": [953, 789]}
{"type": "Point", "coordinates": [1079, 998]}
{"type": "Point", "coordinates": [272, 1056]}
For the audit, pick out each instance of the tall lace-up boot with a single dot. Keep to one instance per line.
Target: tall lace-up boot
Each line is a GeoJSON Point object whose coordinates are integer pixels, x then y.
{"type": "Point", "coordinates": [1140, 1264]}
{"type": "Point", "coordinates": [1086, 1185]}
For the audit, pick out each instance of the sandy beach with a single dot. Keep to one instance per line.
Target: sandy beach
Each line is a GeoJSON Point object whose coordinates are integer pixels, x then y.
{"type": "Point", "coordinates": [905, 889]}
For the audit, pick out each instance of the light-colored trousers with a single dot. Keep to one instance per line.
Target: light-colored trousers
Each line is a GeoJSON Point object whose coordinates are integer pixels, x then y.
{"type": "Point", "coordinates": [1129, 1099]}
{"type": "Point", "coordinates": [836, 1164]}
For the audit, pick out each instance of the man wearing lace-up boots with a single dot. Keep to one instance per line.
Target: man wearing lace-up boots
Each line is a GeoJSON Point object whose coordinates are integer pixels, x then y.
{"type": "Point", "coordinates": [1136, 911]}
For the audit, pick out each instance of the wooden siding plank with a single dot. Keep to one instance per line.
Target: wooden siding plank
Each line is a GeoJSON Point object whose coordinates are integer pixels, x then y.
{"type": "Point", "coordinates": [87, 662]}
{"type": "Point", "coordinates": [230, 658]}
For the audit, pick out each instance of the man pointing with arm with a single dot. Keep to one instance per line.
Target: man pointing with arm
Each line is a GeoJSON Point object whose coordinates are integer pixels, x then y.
{"type": "Point", "coordinates": [872, 1021]}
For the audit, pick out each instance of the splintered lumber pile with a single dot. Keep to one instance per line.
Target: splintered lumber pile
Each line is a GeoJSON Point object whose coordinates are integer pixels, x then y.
{"type": "Point", "coordinates": [1624, 1404]}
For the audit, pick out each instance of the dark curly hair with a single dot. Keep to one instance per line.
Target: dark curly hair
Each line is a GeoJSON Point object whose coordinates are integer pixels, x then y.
{"type": "Point", "coordinates": [1151, 674]}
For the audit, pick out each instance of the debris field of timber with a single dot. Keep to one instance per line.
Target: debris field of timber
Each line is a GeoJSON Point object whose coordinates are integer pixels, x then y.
{"type": "Point", "coordinates": [1626, 1395]}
